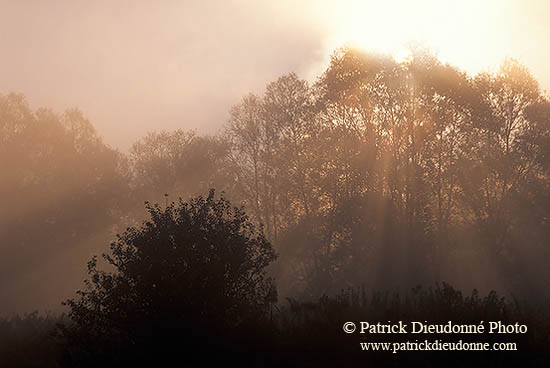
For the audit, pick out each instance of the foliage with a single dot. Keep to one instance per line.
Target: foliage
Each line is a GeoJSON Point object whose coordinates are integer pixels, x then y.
{"type": "Point", "coordinates": [196, 266]}
{"type": "Point", "coordinates": [414, 166]}
{"type": "Point", "coordinates": [62, 191]}
{"type": "Point", "coordinates": [381, 172]}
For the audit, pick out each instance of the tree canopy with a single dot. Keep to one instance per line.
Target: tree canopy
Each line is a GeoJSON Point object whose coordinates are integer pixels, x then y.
{"type": "Point", "coordinates": [415, 167]}
{"type": "Point", "coordinates": [194, 266]}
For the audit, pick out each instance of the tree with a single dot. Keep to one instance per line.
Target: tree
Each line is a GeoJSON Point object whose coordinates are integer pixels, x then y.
{"type": "Point", "coordinates": [61, 186]}
{"type": "Point", "coordinates": [195, 268]}
{"type": "Point", "coordinates": [181, 163]}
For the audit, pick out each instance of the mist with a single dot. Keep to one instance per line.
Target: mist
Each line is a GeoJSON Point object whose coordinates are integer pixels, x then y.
{"type": "Point", "coordinates": [135, 66]}
{"type": "Point", "coordinates": [267, 166]}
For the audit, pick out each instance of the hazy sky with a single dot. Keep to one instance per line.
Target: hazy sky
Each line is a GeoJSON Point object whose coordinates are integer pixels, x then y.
{"type": "Point", "coordinates": [138, 66]}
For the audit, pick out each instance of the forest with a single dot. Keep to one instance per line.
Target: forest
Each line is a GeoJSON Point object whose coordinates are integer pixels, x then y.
{"type": "Point", "coordinates": [385, 189]}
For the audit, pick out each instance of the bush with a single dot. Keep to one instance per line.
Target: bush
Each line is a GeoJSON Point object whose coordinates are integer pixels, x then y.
{"type": "Point", "coordinates": [195, 269]}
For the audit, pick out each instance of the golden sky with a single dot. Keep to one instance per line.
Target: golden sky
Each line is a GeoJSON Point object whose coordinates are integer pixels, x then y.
{"type": "Point", "coordinates": [137, 66]}
{"type": "Point", "coordinates": [475, 35]}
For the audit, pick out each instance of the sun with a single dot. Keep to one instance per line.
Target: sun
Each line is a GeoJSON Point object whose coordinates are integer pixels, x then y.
{"type": "Point", "coordinates": [460, 33]}
{"type": "Point", "coordinates": [402, 55]}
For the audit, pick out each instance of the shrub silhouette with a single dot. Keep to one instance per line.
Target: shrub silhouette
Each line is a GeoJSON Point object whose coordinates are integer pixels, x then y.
{"type": "Point", "coordinates": [195, 268]}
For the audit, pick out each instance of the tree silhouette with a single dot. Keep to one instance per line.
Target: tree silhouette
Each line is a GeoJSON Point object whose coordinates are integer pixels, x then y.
{"type": "Point", "coordinates": [195, 268]}
{"type": "Point", "coordinates": [180, 163]}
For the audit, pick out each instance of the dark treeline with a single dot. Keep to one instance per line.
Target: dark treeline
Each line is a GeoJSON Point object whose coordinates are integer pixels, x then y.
{"type": "Point", "coordinates": [294, 334]}
{"type": "Point", "coordinates": [380, 175]}
{"type": "Point", "coordinates": [189, 286]}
